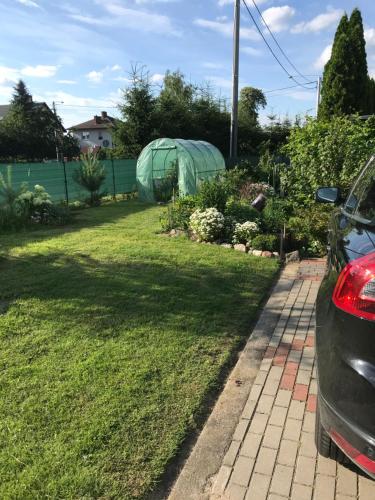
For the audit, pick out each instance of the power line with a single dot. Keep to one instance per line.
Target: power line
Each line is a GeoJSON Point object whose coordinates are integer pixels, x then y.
{"type": "Point", "coordinates": [270, 48]}
{"type": "Point", "coordinates": [277, 43]}
{"type": "Point", "coordinates": [291, 87]}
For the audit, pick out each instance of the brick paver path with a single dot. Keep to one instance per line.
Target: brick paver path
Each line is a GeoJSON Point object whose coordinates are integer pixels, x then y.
{"type": "Point", "coordinates": [272, 454]}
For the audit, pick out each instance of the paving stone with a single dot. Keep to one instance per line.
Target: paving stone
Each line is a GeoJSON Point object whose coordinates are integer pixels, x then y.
{"type": "Point", "coordinates": [283, 398]}
{"type": "Point", "coordinates": [249, 410]}
{"type": "Point", "coordinates": [326, 466]}
{"type": "Point", "coordinates": [296, 410]}
{"type": "Point", "coordinates": [281, 480]}
{"type": "Point", "coordinates": [221, 480]}
{"type": "Point", "coordinates": [287, 452]}
{"type": "Point", "coordinates": [292, 429]}
{"type": "Point", "coordinates": [271, 387]}
{"type": "Point", "coordinates": [251, 445]}
{"type": "Point", "coordinates": [272, 437]}
{"type": "Point", "coordinates": [300, 492]}
{"type": "Point", "coordinates": [278, 416]}
{"type": "Point", "coordinates": [260, 378]}
{"type": "Point", "coordinates": [366, 488]}
{"type": "Point", "coordinates": [258, 487]}
{"type": "Point", "coordinates": [242, 471]}
{"type": "Point", "coordinates": [231, 454]}
{"type": "Point", "coordinates": [276, 373]}
{"type": "Point", "coordinates": [265, 461]}
{"type": "Point", "coordinates": [255, 392]}
{"type": "Point", "coordinates": [311, 403]}
{"type": "Point", "coordinates": [265, 404]}
{"type": "Point", "coordinates": [303, 377]}
{"type": "Point", "coordinates": [235, 492]}
{"type": "Point", "coordinates": [309, 422]}
{"type": "Point", "coordinates": [241, 429]}
{"type": "Point", "coordinates": [346, 481]}
{"type": "Point", "coordinates": [300, 392]}
{"type": "Point", "coordinates": [258, 424]}
{"type": "Point", "coordinates": [305, 471]}
{"type": "Point", "coordinates": [308, 448]}
{"type": "Point", "coordinates": [324, 488]}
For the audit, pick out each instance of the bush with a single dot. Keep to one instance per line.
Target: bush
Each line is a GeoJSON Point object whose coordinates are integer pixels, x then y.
{"type": "Point", "coordinates": [326, 154]}
{"type": "Point", "coordinates": [308, 228]}
{"type": "Point", "coordinates": [240, 211]}
{"type": "Point", "coordinates": [234, 179]}
{"type": "Point", "coordinates": [177, 215]}
{"type": "Point", "coordinates": [250, 190]}
{"type": "Point", "coordinates": [275, 215]}
{"type": "Point", "coordinates": [266, 242]}
{"type": "Point", "coordinates": [213, 194]}
{"type": "Point", "coordinates": [244, 233]}
{"type": "Point", "coordinates": [90, 175]}
{"type": "Point", "coordinates": [167, 188]}
{"type": "Point", "coordinates": [207, 224]}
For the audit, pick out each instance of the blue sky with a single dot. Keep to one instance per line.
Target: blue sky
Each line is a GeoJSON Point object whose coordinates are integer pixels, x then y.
{"type": "Point", "coordinates": [81, 52]}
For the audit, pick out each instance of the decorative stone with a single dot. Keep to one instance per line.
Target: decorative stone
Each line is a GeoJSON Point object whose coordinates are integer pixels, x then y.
{"type": "Point", "coordinates": [226, 245]}
{"type": "Point", "coordinates": [257, 253]}
{"type": "Point", "coordinates": [276, 255]}
{"type": "Point", "coordinates": [292, 257]}
{"type": "Point", "coordinates": [240, 248]}
{"type": "Point", "coordinates": [267, 254]}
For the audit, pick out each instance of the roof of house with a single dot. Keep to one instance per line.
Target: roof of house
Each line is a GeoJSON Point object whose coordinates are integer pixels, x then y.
{"type": "Point", "coordinates": [98, 122]}
{"type": "Point", "coordinates": [4, 109]}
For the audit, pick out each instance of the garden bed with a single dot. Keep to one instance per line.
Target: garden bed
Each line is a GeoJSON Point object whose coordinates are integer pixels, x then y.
{"type": "Point", "coordinates": [111, 340]}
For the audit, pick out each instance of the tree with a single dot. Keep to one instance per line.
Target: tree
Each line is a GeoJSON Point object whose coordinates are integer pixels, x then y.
{"type": "Point", "coordinates": [250, 102]}
{"type": "Point", "coordinates": [337, 78]}
{"type": "Point", "coordinates": [359, 62]}
{"type": "Point", "coordinates": [28, 130]}
{"type": "Point", "coordinates": [90, 175]}
{"type": "Point", "coordinates": [138, 112]}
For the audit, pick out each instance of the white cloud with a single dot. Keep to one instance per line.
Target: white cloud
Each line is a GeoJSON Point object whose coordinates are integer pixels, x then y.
{"type": "Point", "coordinates": [11, 75]}
{"type": "Point", "coordinates": [251, 51]}
{"type": "Point", "coordinates": [226, 29]}
{"type": "Point", "coordinates": [278, 18]}
{"type": "Point", "coordinates": [370, 37]}
{"type": "Point", "coordinates": [67, 82]}
{"type": "Point", "coordinates": [95, 76]}
{"type": "Point", "coordinates": [323, 58]}
{"type": "Point", "coordinates": [116, 67]}
{"type": "Point", "coordinates": [29, 3]}
{"type": "Point", "coordinates": [39, 71]}
{"type": "Point", "coordinates": [157, 78]}
{"type": "Point", "coordinates": [140, 2]}
{"type": "Point", "coordinates": [319, 23]}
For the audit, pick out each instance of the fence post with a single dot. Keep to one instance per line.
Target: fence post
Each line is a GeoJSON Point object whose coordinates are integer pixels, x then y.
{"type": "Point", "coordinates": [66, 183]}
{"type": "Point", "coordinates": [113, 179]}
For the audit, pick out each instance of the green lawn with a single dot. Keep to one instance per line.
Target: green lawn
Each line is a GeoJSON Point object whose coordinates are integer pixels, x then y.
{"type": "Point", "coordinates": [111, 338]}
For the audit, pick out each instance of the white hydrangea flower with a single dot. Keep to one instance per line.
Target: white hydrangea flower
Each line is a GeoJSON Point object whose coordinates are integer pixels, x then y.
{"type": "Point", "coordinates": [207, 224]}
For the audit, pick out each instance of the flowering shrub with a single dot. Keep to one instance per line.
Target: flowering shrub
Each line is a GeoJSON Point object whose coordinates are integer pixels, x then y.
{"type": "Point", "coordinates": [37, 198]}
{"type": "Point", "coordinates": [207, 224]}
{"type": "Point", "coordinates": [250, 190]}
{"type": "Point", "coordinates": [244, 233]}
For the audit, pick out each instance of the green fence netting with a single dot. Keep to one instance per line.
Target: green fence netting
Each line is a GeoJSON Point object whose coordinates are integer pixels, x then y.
{"type": "Point", "coordinates": [195, 161]}
{"type": "Point", "coordinates": [57, 178]}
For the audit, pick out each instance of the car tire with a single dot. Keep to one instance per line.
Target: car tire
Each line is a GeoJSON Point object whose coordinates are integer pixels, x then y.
{"type": "Point", "coordinates": [324, 444]}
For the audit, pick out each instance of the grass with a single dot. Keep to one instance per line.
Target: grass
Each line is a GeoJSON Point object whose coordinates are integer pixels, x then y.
{"type": "Point", "coordinates": [111, 338]}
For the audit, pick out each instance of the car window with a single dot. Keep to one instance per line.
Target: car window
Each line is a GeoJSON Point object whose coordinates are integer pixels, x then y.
{"type": "Point", "coordinates": [361, 201]}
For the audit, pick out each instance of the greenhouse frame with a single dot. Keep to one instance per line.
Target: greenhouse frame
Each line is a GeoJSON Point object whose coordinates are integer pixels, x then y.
{"type": "Point", "coordinates": [193, 161]}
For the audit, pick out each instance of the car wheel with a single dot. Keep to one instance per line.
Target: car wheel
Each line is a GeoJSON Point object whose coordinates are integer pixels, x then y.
{"type": "Point", "coordinates": [324, 444]}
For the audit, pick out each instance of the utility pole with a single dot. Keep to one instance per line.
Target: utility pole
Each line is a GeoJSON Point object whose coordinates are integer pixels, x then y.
{"type": "Point", "coordinates": [236, 60]}
{"type": "Point", "coordinates": [56, 137]}
{"type": "Point", "coordinates": [318, 94]}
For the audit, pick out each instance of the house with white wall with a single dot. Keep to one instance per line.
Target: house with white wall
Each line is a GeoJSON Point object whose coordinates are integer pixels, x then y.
{"type": "Point", "coordinates": [95, 133]}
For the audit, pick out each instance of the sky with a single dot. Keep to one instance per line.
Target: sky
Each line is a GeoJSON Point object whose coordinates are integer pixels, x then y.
{"type": "Point", "coordinates": [79, 54]}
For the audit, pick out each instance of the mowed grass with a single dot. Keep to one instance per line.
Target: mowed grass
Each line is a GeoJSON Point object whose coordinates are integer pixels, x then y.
{"type": "Point", "coordinates": [111, 338]}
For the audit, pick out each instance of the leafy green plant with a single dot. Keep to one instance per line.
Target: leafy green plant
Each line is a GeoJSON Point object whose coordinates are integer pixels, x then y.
{"type": "Point", "coordinates": [90, 175]}
{"type": "Point", "coordinates": [265, 242]}
{"type": "Point", "coordinates": [8, 193]}
{"type": "Point", "coordinates": [240, 211]}
{"type": "Point", "coordinates": [213, 194]}
{"type": "Point", "coordinates": [276, 215]}
{"type": "Point", "coordinates": [166, 188]}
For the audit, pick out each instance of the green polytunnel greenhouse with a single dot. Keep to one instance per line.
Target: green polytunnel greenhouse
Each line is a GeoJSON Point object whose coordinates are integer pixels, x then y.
{"type": "Point", "coordinates": [187, 162]}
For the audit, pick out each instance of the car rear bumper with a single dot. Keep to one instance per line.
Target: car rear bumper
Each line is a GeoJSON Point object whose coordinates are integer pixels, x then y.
{"type": "Point", "coordinates": [351, 439]}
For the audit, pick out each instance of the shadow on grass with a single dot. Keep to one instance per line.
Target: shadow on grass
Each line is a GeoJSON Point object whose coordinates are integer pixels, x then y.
{"type": "Point", "coordinates": [86, 218]}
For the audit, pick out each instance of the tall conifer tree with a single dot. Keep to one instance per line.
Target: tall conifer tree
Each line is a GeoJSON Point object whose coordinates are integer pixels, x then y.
{"type": "Point", "coordinates": [358, 60]}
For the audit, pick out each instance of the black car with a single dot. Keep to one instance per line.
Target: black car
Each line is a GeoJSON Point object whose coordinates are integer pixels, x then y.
{"type": "Point", "coordinates": [345, 328]}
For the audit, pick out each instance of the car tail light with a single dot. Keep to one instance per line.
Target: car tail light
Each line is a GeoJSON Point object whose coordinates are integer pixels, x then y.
{"type": "Point", "coordinates": [355, 288]}
{"type": "Point", "coordinates": [359, 458]}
